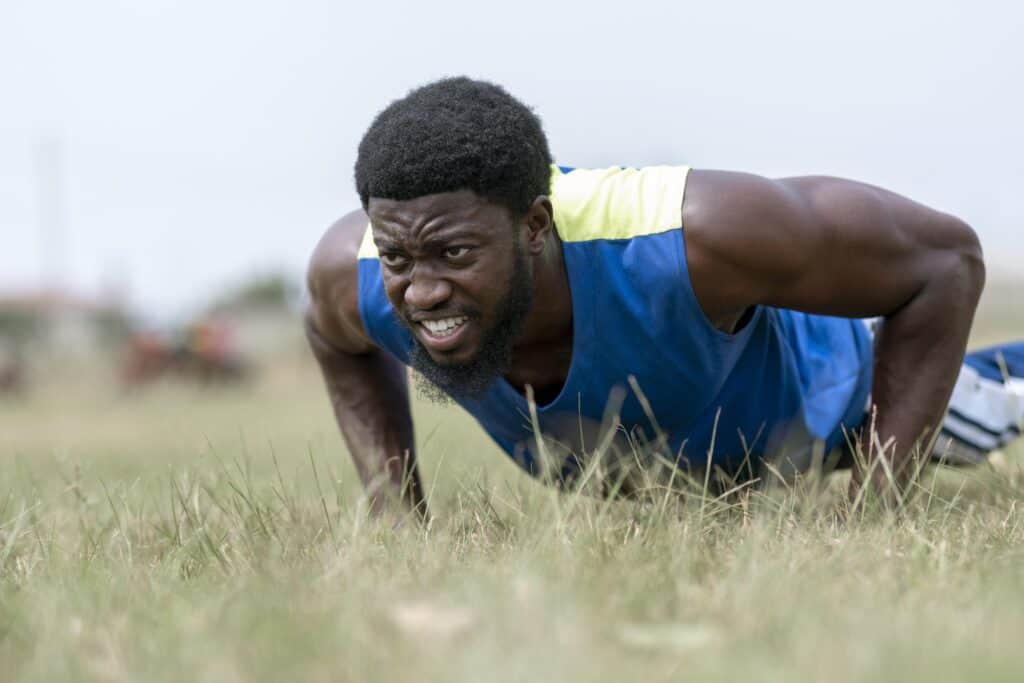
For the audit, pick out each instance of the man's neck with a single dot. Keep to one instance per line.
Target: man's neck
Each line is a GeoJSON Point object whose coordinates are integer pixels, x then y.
{"type": "Point", "coordinates": [543, 353]}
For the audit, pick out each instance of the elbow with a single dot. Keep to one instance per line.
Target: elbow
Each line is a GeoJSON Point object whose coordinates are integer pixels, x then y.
{"type": "Point", "coordinates": [971, 260]}
{"type": "Point", "coordinates": [964, 270]}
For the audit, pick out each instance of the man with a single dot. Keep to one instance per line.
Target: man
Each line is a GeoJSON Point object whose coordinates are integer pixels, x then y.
{"type": "Point", "coordinates": [706, 314]}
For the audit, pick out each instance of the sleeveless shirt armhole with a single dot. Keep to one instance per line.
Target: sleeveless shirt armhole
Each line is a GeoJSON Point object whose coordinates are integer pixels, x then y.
{"type": "Point", "coordinates": [690, 295]}
{"type": "Point", "coordinates": [363, 289]}
{"type": "Point", "coordinates": [367, 252]}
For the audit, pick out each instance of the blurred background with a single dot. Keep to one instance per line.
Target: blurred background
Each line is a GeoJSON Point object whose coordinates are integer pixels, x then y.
{"type": "Point", "coordinates": [166, 167]}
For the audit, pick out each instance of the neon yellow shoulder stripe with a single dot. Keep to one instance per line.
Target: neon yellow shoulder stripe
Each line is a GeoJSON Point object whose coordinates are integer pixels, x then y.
{"type": "Point", "coordinates": [617, 203]}
{"type": "Point", "coordinates": [367, 248]}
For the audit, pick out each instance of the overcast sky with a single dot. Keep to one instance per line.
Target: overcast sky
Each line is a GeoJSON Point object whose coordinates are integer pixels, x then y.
{"type": "Point", "coordinates": [193, 143]}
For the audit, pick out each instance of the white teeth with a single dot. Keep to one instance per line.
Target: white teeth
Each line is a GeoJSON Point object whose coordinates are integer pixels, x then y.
{"type": "Point", "coordinates": [443, 325]}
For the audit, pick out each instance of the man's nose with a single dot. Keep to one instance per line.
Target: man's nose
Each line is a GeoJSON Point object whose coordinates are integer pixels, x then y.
{"type": "Point", "coordinates": [426, 291]}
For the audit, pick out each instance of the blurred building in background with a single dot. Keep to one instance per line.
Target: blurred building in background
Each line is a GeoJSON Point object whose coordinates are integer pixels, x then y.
{"type": "Point", "coordinates": [263, 313]}
{"type": "Point", "coordinates": [55, 321]}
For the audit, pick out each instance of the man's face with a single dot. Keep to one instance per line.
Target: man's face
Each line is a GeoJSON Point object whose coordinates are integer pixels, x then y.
{"type": "Point", "coordinates": [458, 275]}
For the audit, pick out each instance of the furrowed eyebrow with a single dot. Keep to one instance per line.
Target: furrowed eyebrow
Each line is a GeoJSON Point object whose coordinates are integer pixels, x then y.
{"type": "Point", "coordinates": [439, 238]}
{"type": "Point", "coordinates": [448, 235]}
{"type": "Point", "coordinates": [387, 246]}
{"type": "Point", "coordinates": [443, 243]}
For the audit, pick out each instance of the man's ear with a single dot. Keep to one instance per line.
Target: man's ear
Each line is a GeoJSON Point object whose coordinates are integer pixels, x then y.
{"type": "Point", "coordinates": [540, 223]}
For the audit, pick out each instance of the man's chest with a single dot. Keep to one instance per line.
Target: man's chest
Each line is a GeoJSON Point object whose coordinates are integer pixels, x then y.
{"type": "Point", "coordinates": [545, 368]}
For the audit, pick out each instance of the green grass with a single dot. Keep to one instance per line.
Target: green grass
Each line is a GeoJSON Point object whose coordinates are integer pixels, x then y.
{"type": "Point", "coordinates": [187, 535]}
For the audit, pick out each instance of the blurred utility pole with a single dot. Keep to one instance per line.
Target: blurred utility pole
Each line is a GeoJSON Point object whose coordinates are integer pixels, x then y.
{"type": "Point", "coordinates": [49, 165]}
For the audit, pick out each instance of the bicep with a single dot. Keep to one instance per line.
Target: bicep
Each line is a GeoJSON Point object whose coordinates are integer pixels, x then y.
{"type": "Point", "coordinates": [821, 245]}
{"type": "Point", "coordinates": [333, 281]}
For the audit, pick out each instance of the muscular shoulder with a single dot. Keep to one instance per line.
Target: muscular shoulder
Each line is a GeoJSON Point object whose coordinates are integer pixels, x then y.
{"type": "Point", "coordinates": [333, 282]}
{"type": "Point", "coordinates": [811, 243]}
{"type": "Point", "coordinates": [745, 236]}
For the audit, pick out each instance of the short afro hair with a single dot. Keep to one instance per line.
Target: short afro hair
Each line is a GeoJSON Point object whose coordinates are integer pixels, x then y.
{"type": "Point", "coordinates": [455, 134]}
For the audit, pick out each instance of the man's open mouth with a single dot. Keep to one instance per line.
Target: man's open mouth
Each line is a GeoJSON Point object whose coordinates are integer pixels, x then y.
{"type": "Point", "coordinates": [442, 334]}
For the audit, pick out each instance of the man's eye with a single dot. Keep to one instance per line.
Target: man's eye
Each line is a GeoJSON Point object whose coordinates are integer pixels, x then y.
{"type": "Point", "coordinates": [456, 252]}
{"type": "Point", "coordinates": [393, 260]}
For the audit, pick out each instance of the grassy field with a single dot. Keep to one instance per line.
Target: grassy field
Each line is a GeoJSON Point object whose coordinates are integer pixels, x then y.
{"type": "Point", "coordinates": [189, 535]}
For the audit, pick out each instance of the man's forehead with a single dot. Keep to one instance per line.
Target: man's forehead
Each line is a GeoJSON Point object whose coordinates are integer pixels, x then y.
{"type": "Point", "coordinates": [461, 209]}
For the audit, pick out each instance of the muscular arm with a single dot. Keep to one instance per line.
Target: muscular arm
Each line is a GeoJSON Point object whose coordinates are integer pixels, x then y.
{"type": "Point", "coordinates": [367, 387]}
{"type": "Point", "coordinates": [836, 247]}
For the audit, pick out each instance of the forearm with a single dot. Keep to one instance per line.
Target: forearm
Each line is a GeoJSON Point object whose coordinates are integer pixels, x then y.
{"type": "Point", "coordinates": [370, 399]}
{"type": "Point", "coordinates": [918, 353]}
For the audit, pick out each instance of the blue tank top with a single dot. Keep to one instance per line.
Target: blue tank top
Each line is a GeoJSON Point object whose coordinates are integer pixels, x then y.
{"type": "Point", "coordinates": [784, 376]}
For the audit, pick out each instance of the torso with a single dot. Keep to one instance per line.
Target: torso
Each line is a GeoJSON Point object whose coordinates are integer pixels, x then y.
{"type": "Point", "coordinates": [637, 325]}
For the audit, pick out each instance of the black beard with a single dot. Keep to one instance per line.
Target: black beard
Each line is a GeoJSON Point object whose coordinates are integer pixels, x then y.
{"type": "Point", "coordinates": [444, 383]}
